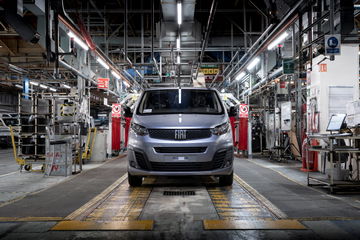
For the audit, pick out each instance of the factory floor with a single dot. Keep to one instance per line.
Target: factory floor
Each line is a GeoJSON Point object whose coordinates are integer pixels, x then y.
{"type": "Point", "coordinates": [268, 200]}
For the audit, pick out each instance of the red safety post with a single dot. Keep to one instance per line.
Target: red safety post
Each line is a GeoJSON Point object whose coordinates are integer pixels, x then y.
{"type": "Point", "coordinates": [115, 134]}
{"type": "Point", "coordinates": [116, 127]}
{"type": "Point", "coordinates": [243, 127]}
{"type": "Point", "coordinates": [233, 126]}
{"type": "Point", "coordinates": [127, 128]}
{"type": "Point", "coordinates": [309, 156]}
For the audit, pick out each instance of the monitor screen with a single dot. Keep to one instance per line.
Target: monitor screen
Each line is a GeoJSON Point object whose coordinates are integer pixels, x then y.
{"type": "Point", "coordinates": [335, 122]}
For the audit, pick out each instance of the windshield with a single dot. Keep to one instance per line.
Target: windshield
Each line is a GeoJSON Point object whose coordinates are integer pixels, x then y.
{"type": "Point", "coordinates": [185, 101]}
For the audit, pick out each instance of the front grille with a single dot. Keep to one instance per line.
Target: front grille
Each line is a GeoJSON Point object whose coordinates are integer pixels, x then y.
{"type": "Point", "coordinates": [180, 149]}
{"type": "Point", "coordinates": [169, 134]}
{"type": "Point", "coordinates": [181, 166]}
{"type": "Point", "coordinates": [217, 162]}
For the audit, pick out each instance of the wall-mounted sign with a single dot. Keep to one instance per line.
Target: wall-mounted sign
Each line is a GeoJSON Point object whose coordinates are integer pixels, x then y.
{"type": "Point", "coordinates": [116, 110]}
{"type": "Point", "coordinates": [244, 111]}
{"type": "Point", "coordinates": [103, 83]}
{"type": "Point", "coordinates": [288, 66]}
{"type": "Point", "coordinates": [332, 44]}
{"type": "Point", "coordinates": [210, 71]}
{"type": "Point", "coordinates": [323, 67]}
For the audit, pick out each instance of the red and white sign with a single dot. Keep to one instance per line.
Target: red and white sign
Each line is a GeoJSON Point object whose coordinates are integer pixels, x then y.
{"type": "Point", "coordinates": [103, 83]}
{"type": "Point", "coordinates": [244, 111]}
{"type": "Point", "coordinates": [116, 110]}
{"type": "Point", "coordinates": [323, 67]}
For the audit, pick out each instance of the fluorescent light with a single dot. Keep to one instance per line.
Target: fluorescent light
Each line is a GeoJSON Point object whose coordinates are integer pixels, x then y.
{"type": "Point", "coordinates": [117, 76]}
{"type": "Point", "coordinates": [178, 43]}
{"type": "Point", "coordinates": [78, 40]}
{"type": "Point", "coordinates": [222, 90]}
{"type": "Point", "coordinates": [18, 86]}
{"type": "Point", "coordinates": [102, 62]}
{"type": "Point", "coordinates": [240, 76]}
{"type": "Point", "coordinates": [43, 86]}
{"type": "Point", "coordinates": [278, 40]}
{"type": "Point", "coordinates": [178, 59]}
{"type": "Point", "coordinates": [179, 95]}
{"type": "Point", "coordinates": [253, 63]}
{"type": "Point", "coordinates": [126, 84]}
{"type": "Point", "coordinates": [52, 89]}
{"type": "Point", "coordinates": [66, 86]}
{"type": "Point", "coordinates": [141, 76]}
{"type": "Point", "coordinates": [179, 13]}
{"type": "Point", "coordinates": [34, 83]}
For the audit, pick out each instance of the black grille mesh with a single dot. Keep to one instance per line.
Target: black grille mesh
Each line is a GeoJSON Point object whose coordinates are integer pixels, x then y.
{"type": "Point", "coordinates": [218, 161]}
{"type": "Point", "coordinates": [180, 149]}
{"type": "Point", "coordinates": [170, 134]}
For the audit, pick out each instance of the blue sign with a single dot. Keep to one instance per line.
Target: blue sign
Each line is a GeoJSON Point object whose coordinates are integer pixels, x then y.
{"type": "Point", "coordinates": [332, 44]}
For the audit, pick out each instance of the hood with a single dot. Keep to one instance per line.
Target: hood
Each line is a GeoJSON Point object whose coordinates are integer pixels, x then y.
{"type": "Point", "coordinates": [176, 121]}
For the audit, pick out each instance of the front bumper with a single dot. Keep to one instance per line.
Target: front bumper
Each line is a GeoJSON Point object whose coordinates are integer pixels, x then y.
{"type": "Point", "coordinates": [144, 160]}
{"type": "Point", "coordinates": [216, 172]}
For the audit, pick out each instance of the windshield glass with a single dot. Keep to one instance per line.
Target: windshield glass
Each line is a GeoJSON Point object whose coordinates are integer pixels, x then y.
{"type": "Point", "coordinates": [180, 101]}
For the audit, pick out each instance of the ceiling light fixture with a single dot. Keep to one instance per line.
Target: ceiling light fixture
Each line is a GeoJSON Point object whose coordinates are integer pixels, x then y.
{"type": "Point", "coordinates": [52, 89]}
{"type": "Point", "coordinates": [102, 62]}
{"type": "Point", "coordinates": [43, 86]}
{"type": "Point", "coordinates": [18, 86]}
{"type": "Point", "coordinates": [117, 76]}
{"type": "Point", "coordinates": [34, 83]}
{"type": "Point", "coordinates": [66, 86]}
{"type": "Point", "coordinates": [240, 76]}
{"type": "Point", "coordinates": [126, 84]}
{"type": "Point", "coordinates": [277, 41]}
{"type": "Point", "coordinates": [178, 59]}
{"type": "Point", "coordinates": [253, 63]}
{"type": "Point", "coordinates": [78, 40]}
{"type": "Point", "coordinates": [178, 43]}
{"type": "Point", "coordinates": [179, 13]}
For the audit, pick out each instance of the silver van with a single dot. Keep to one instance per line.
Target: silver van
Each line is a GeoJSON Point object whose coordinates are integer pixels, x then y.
{"type": "Point", "coordinates": [180, 132]}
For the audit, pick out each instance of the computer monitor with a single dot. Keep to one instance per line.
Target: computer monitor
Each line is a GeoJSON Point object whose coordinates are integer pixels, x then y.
{"type": "Point", "coordinates": [335, 122]}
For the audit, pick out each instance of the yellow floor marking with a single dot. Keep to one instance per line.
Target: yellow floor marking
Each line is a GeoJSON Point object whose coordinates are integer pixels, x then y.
{"type": "Point", "coordinates": [326, 218]}
{"type": "Point", "coordinates": [96, 200]}
{"type": "Point", "coordinates": [141, 225]}
{"type": "Point", "coordinates": [277, 212]}
{"type": "Point", "coordinates": [29, 219]}
{"type": "Point", "coordinates": [252, 225]}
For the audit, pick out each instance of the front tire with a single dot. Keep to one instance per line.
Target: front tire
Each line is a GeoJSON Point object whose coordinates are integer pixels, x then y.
{"type": "Point", "coordinates": [134, 181]}
{"type": "Point", "coordinates": [226, 180]}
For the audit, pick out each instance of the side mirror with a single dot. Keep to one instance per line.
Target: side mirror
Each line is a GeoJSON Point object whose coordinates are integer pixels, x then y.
{"type": "Point", "coordinates": [232, 111]}
{"type": "Point", "coordinates": [127, 112]}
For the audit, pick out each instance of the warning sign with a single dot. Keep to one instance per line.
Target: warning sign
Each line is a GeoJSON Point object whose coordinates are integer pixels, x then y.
{"type": "Point", "coordinates": [103, 83]}
{"type": "Point", "coordinates": [116, 110]}
{"type": "Point", "coordinates": [244, 111]}
{"type": "Point", "coordinates": [323, 67]}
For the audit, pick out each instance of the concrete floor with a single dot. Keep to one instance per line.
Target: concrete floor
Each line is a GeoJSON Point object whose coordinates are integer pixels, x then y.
{"type": "Point", "coordinates": [263, 192]}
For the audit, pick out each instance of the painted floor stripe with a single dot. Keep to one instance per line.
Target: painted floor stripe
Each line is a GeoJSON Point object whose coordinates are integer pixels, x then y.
{"type": "Point", "coordinates": [97, 199]}
{"type": "Point", "coordinates": [8, 174]}
{"type": "Point", "coordinates": [141, 225]}
{"type": "Point", "coordinates": [253, 225]}
{"type": "Point", "coordinates": [276, 211]}
{"type": "Point", "coordinates": [30, 219]}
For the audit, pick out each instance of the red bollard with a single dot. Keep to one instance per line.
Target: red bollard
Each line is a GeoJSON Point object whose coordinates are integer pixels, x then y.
{"type": "Point", "coordinates": [127, 128]}
{"type": "Point", "coordinates": [232, 123]}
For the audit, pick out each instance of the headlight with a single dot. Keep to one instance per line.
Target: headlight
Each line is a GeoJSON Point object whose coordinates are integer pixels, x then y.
{"type": "Point", "coordinates": [221, 129]}
{"type": "Point", "coordinates": [139, 130]}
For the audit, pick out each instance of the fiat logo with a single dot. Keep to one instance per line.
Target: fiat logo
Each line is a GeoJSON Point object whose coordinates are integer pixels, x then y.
{"type": "Point", "coordinates": [180, 134]}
